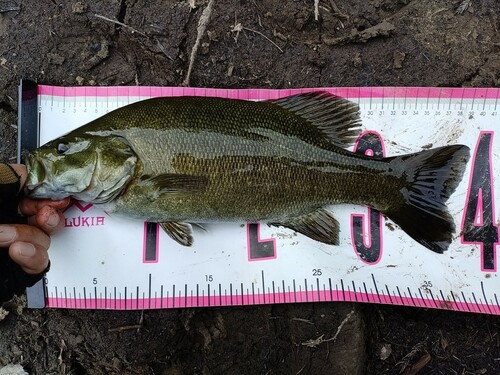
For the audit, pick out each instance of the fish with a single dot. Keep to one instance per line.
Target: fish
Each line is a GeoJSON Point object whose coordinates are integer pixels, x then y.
{"type": "Point", "coordinates": [180, 161]}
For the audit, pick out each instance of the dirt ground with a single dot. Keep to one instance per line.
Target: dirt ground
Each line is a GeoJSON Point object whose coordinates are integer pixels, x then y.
{"type": "Point", "coordinates": [248, 43]}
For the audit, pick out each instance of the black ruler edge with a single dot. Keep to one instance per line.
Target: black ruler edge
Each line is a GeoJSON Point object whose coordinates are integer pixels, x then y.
{"type": "Point", "coordinates": [27, 140]}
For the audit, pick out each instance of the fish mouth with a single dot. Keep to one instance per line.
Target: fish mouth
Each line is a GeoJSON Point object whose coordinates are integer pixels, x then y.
{"type": "Point", "coordinates": [36, 175]}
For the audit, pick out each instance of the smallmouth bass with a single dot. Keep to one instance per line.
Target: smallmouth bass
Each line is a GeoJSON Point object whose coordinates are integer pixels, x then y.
{"type": "Point", "coordinates": [183, 160]}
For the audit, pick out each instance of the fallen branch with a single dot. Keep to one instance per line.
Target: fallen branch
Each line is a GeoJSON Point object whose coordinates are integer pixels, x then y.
{"type": "Point", "coordinates": [202, 26]}
{"type": "Point", "coordinates": [382, 29]}
{"type": "Point", "coordinates": [239, 27]}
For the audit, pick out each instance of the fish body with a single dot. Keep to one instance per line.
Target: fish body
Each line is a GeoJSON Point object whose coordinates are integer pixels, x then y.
{"type": "Point", "coordinates": [194, 160]}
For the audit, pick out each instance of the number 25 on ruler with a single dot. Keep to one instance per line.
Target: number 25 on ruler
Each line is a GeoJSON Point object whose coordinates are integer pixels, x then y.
{"type": "Point", "coordinates": [477, 227]}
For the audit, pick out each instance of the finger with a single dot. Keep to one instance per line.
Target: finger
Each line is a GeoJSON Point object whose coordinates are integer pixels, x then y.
{"type": "Point", "coordinates": [9, 234]}
{"type": "Point", "coordinates": [30, 207]}
{"type": "Point", "coordinates": [47, 219]}
{"type": "Point", "coordinates": [32, 259]}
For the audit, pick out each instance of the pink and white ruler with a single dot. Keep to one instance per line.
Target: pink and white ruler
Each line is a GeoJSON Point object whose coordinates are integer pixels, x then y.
{"type": "Point", "coordinates": [106, 262]}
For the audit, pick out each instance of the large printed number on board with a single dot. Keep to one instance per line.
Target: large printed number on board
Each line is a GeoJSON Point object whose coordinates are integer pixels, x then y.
{"type": "Point", "coordinates": [478, 225]}
{"type": "Point", "coordinates": [368, 247]}
{"type": "Point", "coordinates": [258, 248]}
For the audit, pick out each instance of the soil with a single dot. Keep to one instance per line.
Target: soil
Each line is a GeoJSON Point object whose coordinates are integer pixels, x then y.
{"type": "Point", "coordinates": [248, 43]}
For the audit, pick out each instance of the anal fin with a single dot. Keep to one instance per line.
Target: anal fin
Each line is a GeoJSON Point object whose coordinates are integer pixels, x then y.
{"type": "Point", "coordinates": [180, 232]}
{"type": "Point", "coordinates": [319, 225]}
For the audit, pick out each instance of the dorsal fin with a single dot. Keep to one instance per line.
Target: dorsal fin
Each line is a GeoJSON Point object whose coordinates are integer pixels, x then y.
{"type": "Point", "coordinates": [337, 117]}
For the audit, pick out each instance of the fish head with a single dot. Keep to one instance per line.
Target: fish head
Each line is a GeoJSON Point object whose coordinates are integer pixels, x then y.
{"type": "Point", "coordinates": [87, 167]}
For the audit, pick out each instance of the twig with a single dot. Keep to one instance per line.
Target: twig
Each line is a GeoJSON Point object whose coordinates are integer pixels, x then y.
{"type": "Point", "coordinates": [346, 319]}
{"type": "Point", "coordinates": [132, 30]}
{"type": "Point", "coordinates": [125, 328]}
{"type": "Point", "coordinates": [320, 340]}
{"type": "Point", "coordinates": [61, 351]}
{"type": "Point", "coordinates": [303, 320]}
{"type": "Point", "coordinates": [202, 26]}
{"type": "Point", "coordinates": [382, 29]}
{"type": "Point", "coordinates": [258, 32]}
{"type": "Point", "coordinates": [405, 361]}
{"type": "Point", "coordinates": [337, 12]}
{"type": "Point", "coordinates": [141, 321]}
{"type": "Point", "coordinates": [162, 48]}
{"type": "Point", "coordinates": [316, 10]}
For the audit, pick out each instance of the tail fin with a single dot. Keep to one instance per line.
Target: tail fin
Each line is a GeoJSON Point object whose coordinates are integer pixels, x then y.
{"type": "Point", "coordinates": [432, 176]}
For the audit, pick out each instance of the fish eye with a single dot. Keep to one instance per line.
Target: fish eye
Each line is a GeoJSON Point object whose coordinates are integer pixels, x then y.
{"type": "Point", "coordinates": [62, 148]}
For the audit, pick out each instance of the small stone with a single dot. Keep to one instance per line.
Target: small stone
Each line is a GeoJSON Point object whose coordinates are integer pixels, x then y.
{"type": "Point", "coordinates": [205, 48]}
{"type": "Point", "coordinates": [385, 351]}
{"type": "Point", "coordinates": [79, 80]}
{"type": "Point", "coordinates": [280, 36]}
{"type": "Point", "coordinates": [55, 58]}
{"type": "Point", "coordinates": [13, 370]}
{"type": "Point", "coordinates": [212, 36]}
{"type": "Point", "coordinates": [116, 363]}
{"type": "Point", "coordinates": [15, 350]}
{"type": "Point", "coordinates": [79, 8]}
{"type": "Point", "coordinates": [104, 50]}
{"type": "Point", "coordinates": [3, 313]}
{"type": "Point", "coordinates": [398, 57]}
{"type": "Point", "coordinates": [356, 61]}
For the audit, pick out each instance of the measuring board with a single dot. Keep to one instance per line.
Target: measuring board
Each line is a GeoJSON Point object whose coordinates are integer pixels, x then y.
{"type": "Point", "coordinates": [101, 261]}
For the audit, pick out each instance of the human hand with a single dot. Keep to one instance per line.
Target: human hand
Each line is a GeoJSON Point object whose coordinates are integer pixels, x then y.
{"type": "Point", "coordinates": [28, 243]}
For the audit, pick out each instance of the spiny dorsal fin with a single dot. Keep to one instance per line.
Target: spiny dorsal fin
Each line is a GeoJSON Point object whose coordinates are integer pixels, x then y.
{"type": "Point", "coordinates": [337, 117]}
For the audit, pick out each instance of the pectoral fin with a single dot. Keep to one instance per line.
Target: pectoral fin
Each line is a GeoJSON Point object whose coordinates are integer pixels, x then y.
{"type": "Point", "coordinates": [319, 225]}
{"type": "Point", "coordinates": [169, 183]}
{"type": "Point", "coordinates": [179, 232]}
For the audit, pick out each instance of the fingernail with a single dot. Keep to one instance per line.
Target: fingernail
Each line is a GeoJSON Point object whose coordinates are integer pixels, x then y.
{"type": "Point", "coordinates": [7, 234]}
{"type": "Point", "coordinates": [26, 250]}
{"type": "Point", "coordinates": [53, 220]}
